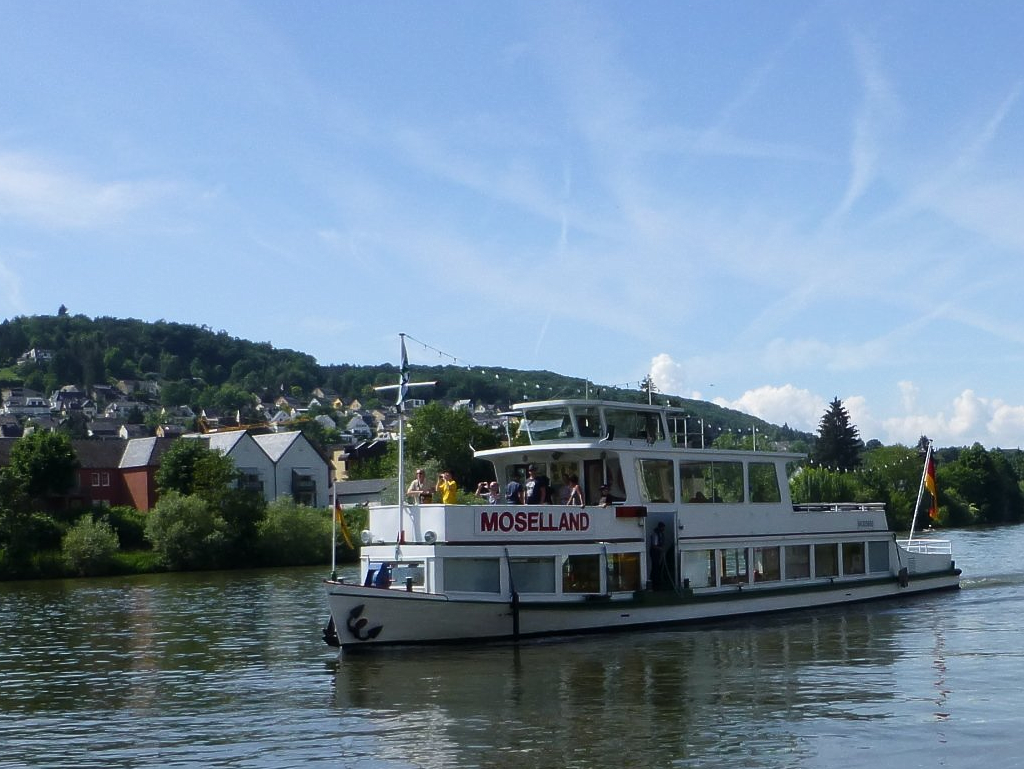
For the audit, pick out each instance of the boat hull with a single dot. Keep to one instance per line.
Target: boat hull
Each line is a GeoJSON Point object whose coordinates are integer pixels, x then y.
{"type": "Point", "coordinates": [364, 617]}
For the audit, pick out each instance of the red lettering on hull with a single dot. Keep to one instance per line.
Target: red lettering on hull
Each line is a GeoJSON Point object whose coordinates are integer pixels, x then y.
{"type": "Point", "coordinates": [533, 521]}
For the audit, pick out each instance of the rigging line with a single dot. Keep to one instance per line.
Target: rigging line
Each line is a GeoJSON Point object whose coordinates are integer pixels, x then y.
{"type": "Point", "coordinates": [430, 347]}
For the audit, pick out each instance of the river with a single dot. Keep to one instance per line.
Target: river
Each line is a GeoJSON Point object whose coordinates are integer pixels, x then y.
{"type": "Point", "coordinates": [228, 669]}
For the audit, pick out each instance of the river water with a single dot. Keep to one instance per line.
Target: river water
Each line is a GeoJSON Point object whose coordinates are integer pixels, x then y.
{"type": "Point", "coordinates": [229, 670]}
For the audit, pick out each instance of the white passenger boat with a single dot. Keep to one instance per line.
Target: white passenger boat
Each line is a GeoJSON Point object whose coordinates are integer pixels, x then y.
{"type": "Point", "coordinates": [732, 543]}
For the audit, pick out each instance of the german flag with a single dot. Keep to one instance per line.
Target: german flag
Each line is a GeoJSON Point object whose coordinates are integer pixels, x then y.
{"type": "Point", "coordinates": [929, 483]}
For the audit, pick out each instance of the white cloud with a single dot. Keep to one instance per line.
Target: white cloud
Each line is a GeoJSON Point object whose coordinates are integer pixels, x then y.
{"type": "Point", "coordinates": [31, 191]}
{"type": "Point", "coordinates": [800, 409]}
{"type": "Point", "coordinates": [969, 418]}
{"type": "Point", "coordinates": [668, 375]}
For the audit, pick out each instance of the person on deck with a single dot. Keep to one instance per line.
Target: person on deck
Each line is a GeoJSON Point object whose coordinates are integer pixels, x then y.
{"type": "Point", "coordinates": [537, 487]}
{"type": "Point", "coordinates": [514, 489]}
{"type": "Point", "coordinates": [447, 488]}
{"type": "Point", "coordinates": [420, 492]}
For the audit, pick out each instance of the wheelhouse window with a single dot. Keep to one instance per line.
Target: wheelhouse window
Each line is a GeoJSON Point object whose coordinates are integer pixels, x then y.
{"type": "Point", "coordinates": [548, 424]}
{"type": "Point", "coordinates": [711, 482]}
{"type": "Point", "coordinates": [588, 422]}
{"type": "Point", "coordinates": [699, 567]}
{"type": "Point", "coordinates": [623, 571]}
{"type": "Point", "coordinates": [642, 425]}
{"type": "Point", "coordinates": [472, 575]}
{"type": "Point", "coordinates": [826, 561]}
{"type": "Point", "coordinates": [657, 483]}
{"type": "Point", "coordinates": [798, 561]}
{"type": "Point", "coordinates": [764, 482]}
{"type": "Point", "coordinates": [581, 574]}
{"type": "Point", "coordinates": [767, 564]}
{"type": "Point", "coordinates": [533, 575]}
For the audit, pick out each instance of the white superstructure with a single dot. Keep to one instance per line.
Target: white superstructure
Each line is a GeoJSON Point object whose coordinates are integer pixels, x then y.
{"type": "Point", "coordinates": [677, 534]}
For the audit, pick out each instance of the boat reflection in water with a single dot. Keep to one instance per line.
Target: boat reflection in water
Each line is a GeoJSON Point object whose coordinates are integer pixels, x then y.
{"type": "Point", "coordinates": [738, 686]}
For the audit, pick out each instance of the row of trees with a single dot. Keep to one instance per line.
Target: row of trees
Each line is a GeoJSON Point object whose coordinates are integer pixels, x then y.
{"type": "Point", "coordinates": [974, 485]}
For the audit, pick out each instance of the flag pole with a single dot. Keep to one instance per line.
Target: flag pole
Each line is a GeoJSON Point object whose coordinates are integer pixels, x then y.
{"type": "Point", "coordinates": [334, 532]}
{"type": "Point", "coordinates": [920, 490]}
{"type": "Point", "coordinates": [403, 388]}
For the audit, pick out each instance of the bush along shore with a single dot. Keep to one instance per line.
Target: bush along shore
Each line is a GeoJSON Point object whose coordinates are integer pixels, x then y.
{"type": "Point", "coordinates": [181, 533]}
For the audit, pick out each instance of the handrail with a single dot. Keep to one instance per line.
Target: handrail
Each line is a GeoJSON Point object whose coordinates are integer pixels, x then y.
{"type": "Point", "coordinates": [927, 546]}
{"type": "Point", "coordinates": [839, 507]}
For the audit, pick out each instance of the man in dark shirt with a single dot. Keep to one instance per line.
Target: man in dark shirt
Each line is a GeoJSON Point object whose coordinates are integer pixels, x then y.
{"type": "Point", "coordinates": [536, 487]}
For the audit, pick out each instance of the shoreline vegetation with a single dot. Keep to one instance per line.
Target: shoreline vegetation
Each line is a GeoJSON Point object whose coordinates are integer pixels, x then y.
{"type": "Point", "coordinates": [180, 537]}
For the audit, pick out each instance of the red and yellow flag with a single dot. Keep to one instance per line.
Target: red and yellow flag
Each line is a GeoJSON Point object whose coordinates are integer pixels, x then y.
{"type": "Point", "coordinates": [929, 483]}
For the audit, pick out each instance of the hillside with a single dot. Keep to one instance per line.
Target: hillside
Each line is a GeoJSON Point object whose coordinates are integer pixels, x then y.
{"type": "Point", "coordinates": [203, 368]}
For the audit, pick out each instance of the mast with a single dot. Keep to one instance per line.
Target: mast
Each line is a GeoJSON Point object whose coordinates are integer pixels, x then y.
{"type": "Point", "coordinates": [920, 490]}
{"type": "Point", "coordinates": [403, 388]}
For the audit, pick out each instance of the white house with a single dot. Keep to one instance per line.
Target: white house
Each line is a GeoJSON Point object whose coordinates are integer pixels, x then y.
{"type": "Point", "coordinates": [300, 472]}
{"type": "Point", "coordinates": [252, 462]}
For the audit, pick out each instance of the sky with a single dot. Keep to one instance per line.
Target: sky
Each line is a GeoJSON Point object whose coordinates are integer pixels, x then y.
{"type": "Point", "coordinates": [763, 205]}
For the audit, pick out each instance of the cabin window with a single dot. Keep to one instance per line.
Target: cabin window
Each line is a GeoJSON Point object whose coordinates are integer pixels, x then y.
{"type": "Point", "coordinates": [699, 567]}
{"type": "Point", "coordinates": [798, 561]}
{"type": "Point", "coordinates": [656, 481]}
{"type": "Point", "coordinates": [533, 575]}
{"type": "Point", "coordinates": [826, 561]}
{"type": "Point", "coordinates": [581, 574]}
{"type": "Point", "coordinates": [766, 564]}
{"type": "Point", "coordinates": [711, 481]}
{"type": "Point", "coordinates": [623, 572]}
{"type": "Point", "coordinates": [764, 482]}
{"type": "Point", "coordinates": [734, 566]}
{"type": "Point", "coordinates": [878, 557]}
{"type": "Point", "coordinates": [95, 479]}
{"type": "Point", "coordinates": [853, 558]}
{"type": "Point", "coordinates": [472, 575]}
{"type": "Point", "coordinates": [641, 425]}
{"type": "Point", "coordinates": [547, 424]}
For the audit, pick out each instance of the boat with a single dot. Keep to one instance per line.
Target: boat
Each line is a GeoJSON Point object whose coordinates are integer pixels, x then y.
{"type": "Point", "coordinates": [668, 533]}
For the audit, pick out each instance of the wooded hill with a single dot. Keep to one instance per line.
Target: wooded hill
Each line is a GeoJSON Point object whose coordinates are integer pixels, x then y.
{"type": "Point", "coordinates": [212, 369]}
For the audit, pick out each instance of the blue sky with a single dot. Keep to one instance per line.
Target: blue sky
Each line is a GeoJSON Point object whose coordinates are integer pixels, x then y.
{"type": "Point", "coordinates": [766, 205]}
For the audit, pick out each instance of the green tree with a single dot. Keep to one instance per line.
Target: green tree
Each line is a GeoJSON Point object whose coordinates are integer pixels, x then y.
{"type": "Point", "coordinates": [892, 474]}
{"type": "Point", "coordinates": [89, 547]}
{"type": "Point", "coordinates": [190, 466]}
{"type": "Point", "coordinates": [46, 464]}
{"type": "Point", "coordinates": [839, 444]}
{"type": "Point", "coordinates": [821, 484]}
{"type": "Point", "coordinates": [186, 532]}
{"type": "Point", "coordinates": [448, 437]}
{"type": "Point", "coordinates": [986, 481]}
{"type": "Point", "coordinates": [294, 535]}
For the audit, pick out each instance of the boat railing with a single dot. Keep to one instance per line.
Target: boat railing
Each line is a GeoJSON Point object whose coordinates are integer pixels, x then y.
{"type": "Point", "coordinates": [840, 507]}
{"type": "Point", "coordinates": [928, 546]}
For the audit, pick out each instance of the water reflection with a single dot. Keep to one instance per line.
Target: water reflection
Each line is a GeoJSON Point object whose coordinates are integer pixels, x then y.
{"type": "Point", "coordinates": [229, 670]}
{"type": "Point", "coordinates": [668, 695]}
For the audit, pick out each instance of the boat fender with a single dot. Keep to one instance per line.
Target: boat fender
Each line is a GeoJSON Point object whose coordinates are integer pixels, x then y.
{"type": "Point", "coordinates": [904, 576]}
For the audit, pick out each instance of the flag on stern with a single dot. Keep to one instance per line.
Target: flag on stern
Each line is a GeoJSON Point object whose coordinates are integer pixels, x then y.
{"type": "Point", "coordinates": [929, 483]}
